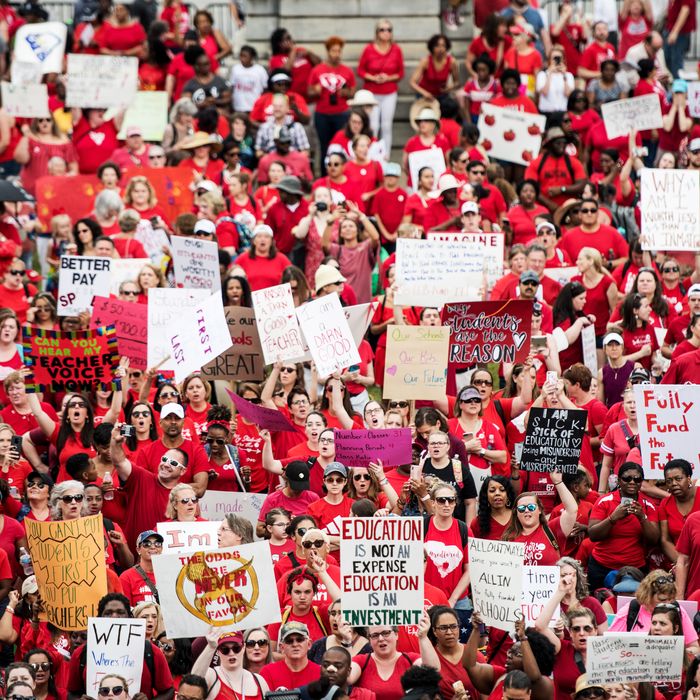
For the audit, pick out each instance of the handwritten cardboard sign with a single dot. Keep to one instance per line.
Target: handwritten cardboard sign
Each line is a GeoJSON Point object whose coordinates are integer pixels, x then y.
{"type": "Point", "coordinates": [201, 336]}
{"type": "Point", "coordinates": [25, 100]}
{"type": "Point", "coordinates": [328, 334]}
{"type": "Point", "coordinates": [496, 570]}
{"type": "Point", "coordinates": [634, 658]}
{"type": "Point", "coordinates": [670, 209]}
{"type": "Point", "coordinates": [493, 249]}
{"type": "Point", "coordinates": [432, 273]}
{"type": "Point", "coordinates": [101, 81]}
{"type": "Point", "coordinates": [357, 448]}
{"type": "Point", "coordinates": [131, 323]}
{"type": "Point", "coordinates": [515, 137]}
{"type": "Point", "coordinates": [188, 537]}
{"type": "Point", "coordinates": [639, 113]}
{"type": "Point", "coordinates": [540, 583]}
{"type": "Point", "coordinates": [71, 360]}
{"type": "Point", "coordinates": [70, 592]}
{"type": "Point", "coordinates": [381, 571]}
{"type": "Point", "coordinates": [667, 415]}
{"type": "Point", "coordinates": [41, 45]}
{"type": "Point", "coordinates": [243, 361]}
{"type": "Point", "coordinates": [114, 646]}
{"type": "Point", "coordinates": [553, 440]}
{"type": "Point", "coordinates": [196, 263]}
{"type": "Point", "coordinates": [80, 278]}
{"type": "Point", "coordinates": [149, 111]}
{"type": "Point", "coordinates": [262, 416]}
{"type": "Point", "coordinates": [416, 362]}
{"type": "Point", "coordinates": [278, 327]}
{"type": "Point", "coordinates": [228, 588]}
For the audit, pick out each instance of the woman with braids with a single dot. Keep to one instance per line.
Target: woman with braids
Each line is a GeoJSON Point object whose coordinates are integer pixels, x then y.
{"type": "Point", "coordinates": [493, 516]}
{"type": "Point", "coordinates": [225, 471]}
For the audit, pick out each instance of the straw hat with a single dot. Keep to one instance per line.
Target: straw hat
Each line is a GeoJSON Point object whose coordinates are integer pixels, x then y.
{"type": "Point", "coordinates": [563, 211]}
{"type": "Point", "coordinates": [446, 182]}
{"type": "Point", "coordinates": [418, 110]}
{"type": "Point", "coordinates": [200, 138]}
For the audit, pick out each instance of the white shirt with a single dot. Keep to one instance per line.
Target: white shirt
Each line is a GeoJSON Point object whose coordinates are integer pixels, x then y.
{"type": "Point", "coordinates": [555, 100]}
{"type": "Point", "coordinates": [247, 85]}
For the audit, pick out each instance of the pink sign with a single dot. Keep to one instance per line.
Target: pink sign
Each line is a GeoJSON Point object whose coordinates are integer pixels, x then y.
{"type": "Point", "coordinates": [357, 448]}
{"type": "Point", "coordinates": [262, 416]}
{"type": "Point", "coordinates": [131, 323]}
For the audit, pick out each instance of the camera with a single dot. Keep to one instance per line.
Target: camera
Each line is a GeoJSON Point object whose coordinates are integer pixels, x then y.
{"type": "Point", "coordinates": [333, 99]}
{"type": "Point", "coordinates": [127, 431]}
{"type": "Point", "coordinates": [321, 206]}
{"type": "Point", "coordinates": [16, 443]}
{"type": "Point", "coordinates": [557, 60]}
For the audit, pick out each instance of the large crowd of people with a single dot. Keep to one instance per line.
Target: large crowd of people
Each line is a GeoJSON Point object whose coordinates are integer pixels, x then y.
{"type": "Point", "coordinates": [292, 168]}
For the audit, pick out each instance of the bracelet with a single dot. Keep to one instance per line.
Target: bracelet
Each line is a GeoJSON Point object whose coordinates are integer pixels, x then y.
{"type": "Point", "coordinates": [384, 482]}
{"type": "Point", "coordinates": [425, 498]}
{"type": "Point", "coordinates": [557, 483]}
{"type": "Point", "coordinates": [10, 610]}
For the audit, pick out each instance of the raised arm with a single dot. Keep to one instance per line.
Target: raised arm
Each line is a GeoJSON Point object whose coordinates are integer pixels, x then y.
{"type": "Point", "coordinates": [116, 448]}
{"type": "Point", "coordinates": [269, 462]}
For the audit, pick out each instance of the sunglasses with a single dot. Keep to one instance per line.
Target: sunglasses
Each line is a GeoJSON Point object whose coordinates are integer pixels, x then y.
{"type": "Point", "coordinates": [252, 643]}
{"type": "Point", "coordinates": [171, 462]}
{"type": "Point", "coordinates": [21, 697]}
{"type": "Point", "coordinates": [671, 269]}
{"type": "Point", "coordinates": [77, 404]}
{"type": "Point", "coordinates": [527, 507]}
{"type": "Point", "coordinates": [140, 414]}
{"type": "Point", "coordinates": [165, 647]}
{"type": "Point", "coordinates": [116, 690]}
{"type": "Point", "coordinates": [385, 29]}
{"type": "Point", "coordinates": [588, 211]}
{"type": "Point", "coordinates": [445, 500]}
{"type": "Point", "coordinates": [664, 581]}
{"type": "Point", "coordinates": [77, 498]}
{"type": "Point", "coordinates": [335, 480]}
{"type": "Point", "coordinates": [186, 501]}
{"type": "Point", "coordinates": [482, 382]}
{"type": "Point", "coordinates": [152, 544]}
{"type": "Point", "coordinates": [130, 292]}
{"type": "Point", "coordinates": [17, 273]}
{"type": "Point", "coordinates": [169, 395]}
{"type": "Point", "coordinates": [136, 373]}
{"type": "Point", "coordinates": [473, 399]}
{"type": "Point", "coordinates": [294, 639]}
{"type": "Point", "coordinates": [216, 441]}
{"type": "Point", "coordinates": [43, 666]}
{"type": "Point", "coordinates": [591, 693]}
{"type": "Point", "coordinates": [37, 484]}
{"type": "Point", "coordinates": [530, 283]}
{"type": "Point", "coordinates": [317, 544]}
{"type": "Point", "coordinates": [227, 649]}
{"type": "Point", "coordinates": [288, 370]}
{"type": "Point", "coordinates": [255, 401]}
{"type": "Point", "coordinates": [630, 479]}
{"type": "Point", "coordinates": [398, 404]}
{"type": "Point", "coordinates": [477, 172]}
{"type": "Point", "coordinates": [156, 155]}
{"type": "Point", "coordinates": [582, 628]}
{"type": "Point", "coordinates": [362, 477]}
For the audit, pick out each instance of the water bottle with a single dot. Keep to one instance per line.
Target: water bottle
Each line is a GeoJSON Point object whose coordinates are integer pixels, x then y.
{"type": "Point", "coordinates": [107, 479]}
{"type": "Point", "coordinates": [26, 562]}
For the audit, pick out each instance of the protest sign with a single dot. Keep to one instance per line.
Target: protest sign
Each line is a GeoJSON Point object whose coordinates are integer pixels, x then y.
{"type": "Point", "coordinates": [114, 646]}
{"type": "Point", "coordinates": [357, 448]}
{"type": "Point", "coordinates": [493, 250]}
{"type": "Point", "coordinates": [561, 274]}
{"type": "Point", "coordinates": [496, 570]}
{"type": "Point", "coordinates": [131, 323]}
{"type": "Point", "coordinates": [123, 270]}
{"type": "Point", "coordinates": [634, 658]}
{"type": "Point", "coordinates": [262, 416]}
{"type": "Point", "coordinates": [432, 273]}
{"type": "Point", "coordinates": [328, 334]}
{"type": "Point", "coordinates": [69, 563]}
{"type": "Point", "coordinates": [632, 114]}
{"type": "Point", "coordinates": [243, 361]}
{"type": "Point", "coordinates": [201, 337]}
{"type": "Point", "coordinates": [188, 537]}
{"type": "Point", "coordinates": [416, 362]}
{"type": "Point", "coordinates": [553, 440]}
{"type": "Point", "coordinates": [80, 278]}
{"type": "Point", "coordinates": [228, 588]}
{"type": "Point", "coordinates": [196, 263]}
{"type": "Point", "coordinates": [669, 209]}
{"type": "Point", "coordinates": [70, 360]}
{"type": "Point", "coordinates": [101, 81]}
{"type": "Point", "coordinates": [27, 101]}
{"type": "Point", "coordinates": [540, 583]}
{"type": "Point", "coordinates": [432, 158]}
{"type": "Point", "coordinates": [215, 505]}
{"type": "Point", "coordinates": [693, 99]}
{"type": "Point", "coordinates": [278, 327]}
{"type": "Point", "coordinates": [41, 45]}
{"type": "Point", "coordinates": [153, 240]}
{"type": "Point", "coordinates": [479, 475]}
{"type": "Point", "coordinates": [149, 111]}
{"type": "Point", "coordinates": [665, 415]}
{"type": "Point", "coordinates": [515, 137]}
{"type": "Point", "coordinates": [590, 357]}
{"type": "Point", "coordinates": [165, 311]}
{"type": "Point", "coordinates": [381, 571]}
{"type": "Point", "coordinates": [22, 73]}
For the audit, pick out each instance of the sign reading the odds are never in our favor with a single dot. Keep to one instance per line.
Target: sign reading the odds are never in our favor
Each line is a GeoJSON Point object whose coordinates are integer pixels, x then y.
{"type": "Point", "coordinates": [553, 440]}
{"type": "Point", "coordinates": [381, 571]}
{"type": "Point", "coordinates": [416, 362]}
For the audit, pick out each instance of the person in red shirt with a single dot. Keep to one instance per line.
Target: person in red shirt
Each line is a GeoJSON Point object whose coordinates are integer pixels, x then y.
{"type": "Point", "coordinates": [121, 35]}
{"type": "Point", "coordinates": [134, 153]}
{"type": "Point", "coordinates": [139, 582]}
{"type": "Point", "coordinates": [680, 24]}
{"type": "Point", "coordinates": [95, 139]}
{"type": "Point", "coordinates": [335, 504]}
{"type": "Point", "coordinates": [294, 668]}
{"type": "Point", "coordinates": [297, 60]}
{"type": "Point", "coordinates": [262, 263]}
{"type": "Point", "coordinates": [14, 294]}
{"type": "Point", "coordinates": [510, 97]}
{"type": "Point", "coordinates": [598, 50]}
{"type": "Point", "coordinates": [559, 175]}
{"type": "Point", "coordinates": [493, 41]}
{"type": "Point", "coordinates": [388, 206]}
{"type": "Point", "coordinates": [684, 369]}
{"type": "Point", "coordinates": [570, 34]}
{"type": "Point", "coordinates": [427, 138]}
{"type": "Point", "coordinates": [491, 202]}
{"type": "Point", "coordinates": [445, 212]}
{"type": "Point", "coordinates": [338, 181]}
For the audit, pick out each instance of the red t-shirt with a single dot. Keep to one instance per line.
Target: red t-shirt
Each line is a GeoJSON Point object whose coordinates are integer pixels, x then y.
{"type": "Point", "coordinates": [282, 220]}
{"type": "Point", "coordinates": [134, 586]}
{"type": "Point", "coordinates": [300, 70]}
{"type": "Point", "coordinates": [635, 340]}
{"type": "Point", "coordinates": [595, 54]}
{"type": "Point", "coordinates": [182, 72]}
{"type": "Point", "coordinates": [606, 238]}
{"type": "Point", "coordinates": [262, 109]}
{"type": "Point", "coordinates": [597, 301]}
{"type": "Point", "coordinates": [522, 222]}
{"type": "Point", "coordinates": [149, 457]}
{"type": "Point", "coordinates": [389, 689]}
{"type": "Point", "coordinates": [674, 8]}
{"type": "Point", "coordinates": [417, 209]}
{"type": "Point", "coordinates": [24, 422]}
{"type": "Point", "coordinates": [632, 31]}
{"type": "Point", "coordinates": [280, 677]}
{"type": "Point", "coordinates": [691, 534]}
{"type": "Point", "coordinates": [539, 551]}
{"type": "Point", "coordinates": [408, 634]}
{"type": "Point", "coordinates": [94, 146]}
{"type": "Point", "coordinates": [597, 140]}
{"type": "Point", "coordinates": [148, 499]}
{"type": "Point", "coordinates": [684, 370]}
{"type": "Point", "coordinates": [263, 272]}
{"type": "Point", "coordinates": [316, 632]}
{"type": "Point", "coordinates": [555, 173]}
{"type": "Point", "coordinates": [325, 513]}
{"type": "Point", "coordinates": [390, 206]}
{"type": "Point", "coordinates": [331, 79]}
{"type": "Point", "coordinates": [121, 38]}
{"type": "Point", "coordinates": [479, 46]}
{"type": "Point", "coordinates": [445, 556]}
{"type": "Point", "coordinates": [521, 103]}
{"type": "Point", "coordinates": [373, 62]}
{"type": "Point", "coordinates": [668, 511]}
{"type": "Point", "coordinates": [581, 123]}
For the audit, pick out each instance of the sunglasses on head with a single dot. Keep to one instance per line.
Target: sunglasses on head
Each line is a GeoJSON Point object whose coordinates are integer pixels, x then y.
{"type": "Point", "coordinates": [531, 507]}
{"type": "Point", "coordinates": [630, 479]}
{"type": "Point", "coordinates": [398, 404]}
{"type": "Point", "coordinates": [317, 544]}
{"type": "Point", "coordinates": [77, 498]}
{"type": "Point", "coordinates": [234, 647]}
{"type": "Point", "coordinates": [252, 643]}
{"type": "Point", "coordinates": [664, 581]}
{"type": "Point", "coordinates": [116, 690]}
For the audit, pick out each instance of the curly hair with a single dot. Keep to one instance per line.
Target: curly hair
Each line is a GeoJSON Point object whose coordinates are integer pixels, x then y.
{"type": "Point", "coordinates": [483, 513]}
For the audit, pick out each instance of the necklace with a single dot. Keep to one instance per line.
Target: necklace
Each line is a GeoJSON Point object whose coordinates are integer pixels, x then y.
{"type": "Point", "coordinates": [229, 682]}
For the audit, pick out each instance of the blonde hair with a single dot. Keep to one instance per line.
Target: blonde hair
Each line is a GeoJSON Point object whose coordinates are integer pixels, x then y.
{"type": "Point", "coordinates": [215, 201]}
{"type": "Point", "coordinates": [649, 587]}
{"type": "Point", "coordinates": [144, 605]}
{"type": "Point", "coordinates": [59, 219]}
{"type": "Point", "coordinates": [170, 511]}
{"type": "Point", "coordinates": [140, 180]}
{"type": "Point", "coordinates": [595, 257]}
{"type": "Point", "coordinates": [121, 679]}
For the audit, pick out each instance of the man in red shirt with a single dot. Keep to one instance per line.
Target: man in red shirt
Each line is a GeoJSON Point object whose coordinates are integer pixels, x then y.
{"type": "Point", "coordinates": [569, 34]}
{"type": "Point", "coordinates": [493, 206]}
{"type": "Point", "coordinates": [688, 562]}
{"type": "Point", "coordinates": [685, 369]}
{"type": "Point", "coordinates": [598, 50]}
{"type": "Point", "coordinates": [559, 175]}
{"type": "Point", "coordinates": [14, 294]}
{"type": "Point", "coordinates": [295, 163]}
{"type": "Point", "coordinates": [21, 411]}
{"type": "Point", "coordinates": [139, 582]}
{"type": "Point", "coordinates": [286, 213]}
{"type": "Point", "coordinates": [444, 213]}
{"type": "Point", "coordinates": [134, 153]}
{"type": "Point", "coordinates": [294, 668]}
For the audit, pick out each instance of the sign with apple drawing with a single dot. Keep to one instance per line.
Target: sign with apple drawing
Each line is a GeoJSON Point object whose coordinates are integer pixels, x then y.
{"type": "Point", "coordinates": [508, 135]}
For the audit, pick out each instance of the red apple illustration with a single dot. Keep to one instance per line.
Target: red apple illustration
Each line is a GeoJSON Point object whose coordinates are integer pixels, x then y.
{"type": "Point", "coordinates": [526, 156]}
{"type": "Point", "coordinates": [490, 119]}
{"type": "Point", "coordinates": [533, 130]}
{"type": "Point", "coordinates": [486, 144]}
{"type": "Point", "coordinates": [509, 135]}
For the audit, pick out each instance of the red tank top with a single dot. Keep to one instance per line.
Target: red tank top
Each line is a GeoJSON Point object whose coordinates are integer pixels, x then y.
{"type": "Point", "coordinates": [228, 693]}
{"type": "Point", "coordinates": [434, 80]}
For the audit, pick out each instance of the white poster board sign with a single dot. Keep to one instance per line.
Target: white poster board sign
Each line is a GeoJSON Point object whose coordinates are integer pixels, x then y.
{"type": "Point", "coordinates": [114, 646]}
{"type": "Point", "coordinates": [381, 566]}
{"type": "Point", "coordinates": [278, 326]}
{"type": "Point", "coordinates": [515, 137]}
{"type": "Point", "coordinates": [670, 209]}
{"type": "Point", "coordinates": [693, 99]}
{"type": "Point", "coordinates": [101, 81]}
{"type": "Point", "coordinates": [432, 273]}
{"type": "Point", "coordinates": [196, 263]}
{"type": "Point", "coordinates": [153, 240]}
{"type": "Point", "coordinates": [639, 113]}
{"type": "Point", "coordinates": [231, 589]}
{"type": "Point", "coordinates": [125, 269]}
{"type": "Point", "coordinates": [215, 505]}
{"type": "Point", "coordinates": [28, 101]}
{"type": "Point", "coordinates": [188, 537]}
{"type": "Point", "coordinates": [432, 158]}
{"type": "Point", "coordinates": [42, 45]}
{"type": "Point", "coordinates": [82, 277]}
{"type": "Point", "coordinates": [328, 334]}
{"type": "Point", "coordinates": [496, 570]}
{"type": "Point", "coordinates": [667, 416]}
{"type": "Point", "coordinates": [149, 110]}
{"type": "Point", "coordinates": [493, 249]}
{"type": "Point", "coordinates": [540, 583]}
{"type": "Point", "coordinates": [590, 357]}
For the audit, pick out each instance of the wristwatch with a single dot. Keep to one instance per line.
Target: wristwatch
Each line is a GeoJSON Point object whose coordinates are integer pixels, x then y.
{"type": "Point", "coordinates": [482, 452]}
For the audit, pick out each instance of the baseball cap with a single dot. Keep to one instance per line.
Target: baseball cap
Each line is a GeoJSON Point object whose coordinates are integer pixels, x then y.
{"type": "Point", "coordinates": [694, 145]}
{"type": "Point", "coordinates": [469, 392]}
{"type": "Point", "coordinates": [134, 131]}
{"type": "Point", "coordinates": [529, 276]}
{"type": "Point", "coordinates": [207, 186]}
{"type": "Point", "coordinates": [230, 637]}
{"type": "Point", "coordinates": [263, 229]}
{"type": "Point", "coordinates": [172, 409]}
{"type": "Point", "coordinates": [613, 338]}
{"type": "Point", "coordinates": [294, 627]}
{"type": "Point", "coordinates": [283, 134]}
{"type": "Point", "coordinates": [205, 226]}
{"type": "Point", "coordinates": [639, 375]}
{"type": "Point", "coordinates": [468, 207]}
{"type": "Point", "coordinates": [146, 534]}
{"type": "Point", "coordinates": [392, 170]}
{"type": "Point", "coordinates": [297, 475]}
{"type": "Point", "coordinates": [335, 468]}
{"type": "Point", "coordinates": [694, 288]}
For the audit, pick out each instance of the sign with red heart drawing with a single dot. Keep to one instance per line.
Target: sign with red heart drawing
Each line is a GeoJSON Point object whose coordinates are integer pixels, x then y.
{"type": "Point", "coordinates": [508, 135]}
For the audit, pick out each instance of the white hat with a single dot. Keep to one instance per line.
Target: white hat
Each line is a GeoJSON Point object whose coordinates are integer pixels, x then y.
{"type": "Point", "coordinates": [472, 207]}
{"type": "Point", "coordinates": [694, 145]}
{"type": "Point", "coordinates": [427, 115]}
{"type": "Point", "coordinates": [325, 275]}
{"type": "Point", "coordinates": [694, 289]}
{"type": "Point", "coordinates": [172, 408]}
{"type": "Point", "coordinates": [446, 182]}
{"type": "Point", "coordinates": [207, 185]}
{"type": "Point", "coordinates": [363, 98]}
{"type": "Point", "coordinates": [613, 338]}
{"type": "Point", "coordinates": [205, 226]}
{"type": "Point", "coordinates": [263, 229]}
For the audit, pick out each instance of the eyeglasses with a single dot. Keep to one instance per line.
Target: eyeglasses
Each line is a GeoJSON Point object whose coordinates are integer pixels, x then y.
{"type": "Point", "coordinates": [671, 269]}
{"type": "Point", "coordinates": [252, 643]}
{"type": "Point", "coordinates": [140, 414]}
{"type": "Point", "coordinates": [326, 441]}
{"type": "Point", "coordinates": [482, 382]}
{"type": "Point", "coordinates": [289, 370]}
{"type": "Point", "coordinates": [447, 628]}
{"type": "Point", "coordinates": [445, 500]}
{"type": "Point", "coordinates": [216, 441]}
{"type": "Point", "coordinates": [385, 634]}
{"type": "Point", "coordinates": [171, 462]}
{"type": "Point", "coordinates": [398, 404]}
{"type": "Point", "coordinates": [17, 273]}
{"type": "Point", "coordinates": [129, 292]}
{"type": "Point", "coordinates": [300, 402]}
{"type": "Point", "coordinates": [43, 666]}
{"type": "Point", "coordinates": [76, 498]}
{"type": "Point", "coordinates": [531, 507]}
{"type": "Point", "coordinates": [473, 399]}
{"type": "Point", "coordinates": [438, 443]}
{"type": "Point", "coordinates": [630, 479]}
{"type": "Point", "coordinates": [188, 500]}
{"type": "Point", "coordinates": [588, 211]}
{"type": "Point", "coordinates": [116, 690]}
{"type": "Point", "coordinates": [170, 395]}
{"type": "Point", "coordinates": [362, 477]}
{"type": "Point", "coordinates": [591, 693]}
{"type": "Point", "coordinates": [385, 29]}
{"type": "Point", "coordinates": [316, 544]}
{"type": "Point", "coordinates": [582, 628]}
{"type": "Point", "coordinates": [335, 479]}
{"type": "Point", "coordinates": [152, 544]}
{"type": "Point", "coordinates": [280, 524]}
{"type": "Point", "coordinates": [165, 647]}
{"type": "Point", "coordinates": [234, 647]}
{"type": "Point", "coordinates": [77, 404]}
